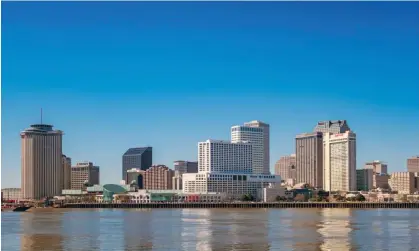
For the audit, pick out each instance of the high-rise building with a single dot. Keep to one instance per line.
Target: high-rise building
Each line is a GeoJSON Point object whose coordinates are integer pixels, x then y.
{"type": "Point", "coordinates": [226, 167]}
{"type": "Point", "coordinates": [82, 172]}
{"type": "Point", "coordinates": [257, 134]}
{"type": "Point", "coordinates": [14, 194]}
{"type": "Point", "coordinates": [332, 126]}
{"type": "Point", "coordinates": [380, 180]}
{"type": "Point", "coordinates": [376, 166]}
{"type": "Point", "coordinates": [285, 167]}
{"type": "Point", "coordinates": [140, 158]}
{"type": "Point", "coordinates": [339, 160]}
{"type": "Point", "coordinates": [224, 156]}
{"type": "Point", "coordinates": [309, 159]}
{"type": "Point", "coordinates": [41, 157]}
{"type": "Point", "coordinates": [413, 164]}
{"type": "Point", "coordinates": [403, 182]}
{"type": "Point", "coordinates": [184, 166]}
{"type": "Point", "coordinates": [364, 179]}
{"type": "Point", "coordinates": [158, 177]}
{"type": "Point", "coordinates": [66, 177]}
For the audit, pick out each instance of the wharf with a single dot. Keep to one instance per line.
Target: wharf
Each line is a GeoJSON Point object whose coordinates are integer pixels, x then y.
{"type": "Point", "coordinates": [360, 205]}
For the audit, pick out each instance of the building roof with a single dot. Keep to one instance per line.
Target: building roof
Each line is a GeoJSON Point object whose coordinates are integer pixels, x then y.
{"type": "Point", "coordinates": [137, 150]}
{"type": "Point", "coordinates": [114, 188]}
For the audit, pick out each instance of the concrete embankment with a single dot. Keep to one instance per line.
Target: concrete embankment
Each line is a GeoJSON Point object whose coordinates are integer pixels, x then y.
{"type": "Point", "coordinates": [247, 205]}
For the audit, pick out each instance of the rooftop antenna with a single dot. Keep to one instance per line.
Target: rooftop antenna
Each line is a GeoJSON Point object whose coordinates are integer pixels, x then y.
{"type": "Point", "coordinates": [41, 116]}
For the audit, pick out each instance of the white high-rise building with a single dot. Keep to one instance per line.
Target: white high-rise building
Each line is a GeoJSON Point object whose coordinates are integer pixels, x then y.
{"type": "Point", "coordinates": [226, 167]}
{"type": "Point", "coordinates": [339, 159]}
{"type": "Point", "coordinates": [42, 167]}
{"type": "Point", "coordinates": [257, 134]}
{"type": "Point", "coordinates": [224, 156]}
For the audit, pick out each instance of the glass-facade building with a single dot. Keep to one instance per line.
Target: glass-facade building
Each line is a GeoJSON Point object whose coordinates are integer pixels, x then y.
{"type": "Point", "coordinates": [140, 158]}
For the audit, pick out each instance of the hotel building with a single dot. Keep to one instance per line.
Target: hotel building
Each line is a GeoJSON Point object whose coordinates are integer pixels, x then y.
{"type": "Point", "coordinates": [41, 156]}
{"type": "Point", "coordinates": [82, 172]}
{"type": "Point", "coordinates": [257, 134]}
{"type": "Point", "coordinates": [403, 182]}
{"type": "Point", "coordinates": [158, 177]}
{"type": "Point", "coordinates": [339, 159]}
{"type": "Point", "coordinates": [226, 167]}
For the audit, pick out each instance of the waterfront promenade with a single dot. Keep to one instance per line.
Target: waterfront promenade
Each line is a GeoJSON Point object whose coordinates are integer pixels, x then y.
{"type": "Point", "coordinates": [248, 205]}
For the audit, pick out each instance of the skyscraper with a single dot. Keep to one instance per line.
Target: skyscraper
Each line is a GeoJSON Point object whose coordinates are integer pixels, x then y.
{"type": "Point", "coordinates": [186, 166]}
{"type": "Point", "coordinates": [339, 159]}
{"type": "Point", "coordinates": [257, 134]}
{"type": "Point", "coordinates": [332, 126]}
{"type": "Point", "coordinates": [377, 167]}
{"type": "Point", "coordinates": [309, 159]}
{"type": "Point", "coordinates": [140, 158]}
{"type": "Point", "coordinates": [42, 167]}
{"type": "Point", "coordinates": [66, 172]}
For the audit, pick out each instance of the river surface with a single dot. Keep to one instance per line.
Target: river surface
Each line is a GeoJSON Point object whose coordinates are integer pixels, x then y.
{"type": "Point", "coordinates": [211, 229]}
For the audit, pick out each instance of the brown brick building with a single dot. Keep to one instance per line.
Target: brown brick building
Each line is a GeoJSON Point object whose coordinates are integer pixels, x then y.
{"type": "Point", "coordinates": [158, 177]}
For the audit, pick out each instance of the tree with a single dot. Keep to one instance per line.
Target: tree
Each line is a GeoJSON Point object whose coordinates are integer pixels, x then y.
{"type": "Point", "coordinates": [359, 197]}
{"type": "Point", "coordinates": [247, 197]}
{"type": "Point", "coordinates": [280, 198]}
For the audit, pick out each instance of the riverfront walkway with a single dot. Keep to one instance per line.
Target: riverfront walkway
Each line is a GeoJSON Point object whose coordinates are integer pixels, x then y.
{"type": "Point", "coordinates": [248, 205]}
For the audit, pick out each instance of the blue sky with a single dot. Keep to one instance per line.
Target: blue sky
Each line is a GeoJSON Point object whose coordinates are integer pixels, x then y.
{"type": "Point", "coordinates": [119, 75]}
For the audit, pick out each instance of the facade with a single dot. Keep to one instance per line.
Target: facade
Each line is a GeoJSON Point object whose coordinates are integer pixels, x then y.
{"type": "Point", "coordinates": [332, 126]}
{"type": "Point", "coordinates": [403, 182]}
{"type": "Point", "coordinates": [82, 172]}
{"type": "Point", "coordinates": [186, 166]}
{"type": "Point", "coordinates": [177, 181]}
{"type": "Point", "coordinates": [66, 177]}
{"type": "Point", "coordinates": [158, 177]}
{"type": "Point", "coordinates": [309, 159]}
{"type": "Point", "coordinates": [14, 194]}
{"type": "Point", "coordinates": [224, 156]}
{"type": "Point", "coordinates": [41, 156]}
{"type": "Point", "coordinates": [364, 179]}
{"type": "Point", "coordinates": [380, 180]}
{"type": "Point", "coordinates": [139, 158]}
{"type": "Point", "coordinates": [269, 194]}
{"type": "Point", "coordinates": [285, 167]}
{"type": "Point", "coordinates": [232, 184]}
{"type": "Point", "coordinates": [413, 164]}
{"type": "Point", "coordinates": [257, 134]}
{"type": "Point", "coordinates": [377, 166]}
{"type": "Point", "coordinates": [137, 176]}
{"type": "Point", "coordinates": [339, 159]}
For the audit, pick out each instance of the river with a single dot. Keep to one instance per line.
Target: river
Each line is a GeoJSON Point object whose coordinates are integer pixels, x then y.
{"type": "Point", "coordinates": [211, 229]}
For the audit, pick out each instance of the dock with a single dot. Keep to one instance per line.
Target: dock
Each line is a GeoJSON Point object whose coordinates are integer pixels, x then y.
{"type": "Point", "coordinates": [360, 205]}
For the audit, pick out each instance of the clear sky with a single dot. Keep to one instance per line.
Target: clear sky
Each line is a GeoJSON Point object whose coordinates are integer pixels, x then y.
{"type": "Point", "coordinates": [119, 75]}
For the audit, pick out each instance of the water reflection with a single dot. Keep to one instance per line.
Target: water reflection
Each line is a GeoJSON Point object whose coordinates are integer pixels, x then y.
{"type": "Point", "coordinates": [335, 229]}
{"type": "Point", "coordinates": [212, 229]}
{"type": "Point", "coordinates": [38, 238]}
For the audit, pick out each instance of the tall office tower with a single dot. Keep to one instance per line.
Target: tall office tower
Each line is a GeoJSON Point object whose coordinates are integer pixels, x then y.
{"type": "Point", "coordinates": [136, 175]}
{"type": "Point", "coordinates": [285, 166]}
{"type": "Point", "coordinates": [140, 158]}
{"type": "Point", "coordinates": [158, 177]}
{"type": "Point", "coordinates": [257, 134]}
{"type": "Point", "coordinates": [186, 166]}
{"type": "Point", "coordinates": [332, 126]}
{"type": "Point", "coordinates": [309, 159]}
{"type": "Point", "coordinates": [66, 177]}
{"type": "Point", "coordinates": [84, 171]}
{"type": "Point", "coordinates": [224, 156]}
{"type": "Point", "coordinates": [413, 164]}
{"type": "Point", "coordinates": [41, 161]}
{"type": "Point", "coordinates": [339, 159]}
{"type": "Point", "coordinates": [377, 167]}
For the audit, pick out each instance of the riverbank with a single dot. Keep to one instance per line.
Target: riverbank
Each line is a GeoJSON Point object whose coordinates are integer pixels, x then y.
{"type": "Point", "coordinates": [249, 205]}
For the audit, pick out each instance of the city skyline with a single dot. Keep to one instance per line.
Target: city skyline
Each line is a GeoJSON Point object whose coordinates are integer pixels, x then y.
{"type": "Point", "coordinates": [183, 79]}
